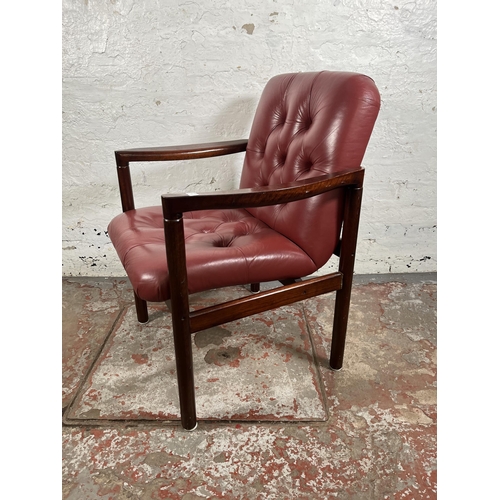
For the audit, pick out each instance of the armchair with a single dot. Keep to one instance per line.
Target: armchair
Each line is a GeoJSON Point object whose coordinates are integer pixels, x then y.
{"type": "Point", "coordinates": [299, 202]}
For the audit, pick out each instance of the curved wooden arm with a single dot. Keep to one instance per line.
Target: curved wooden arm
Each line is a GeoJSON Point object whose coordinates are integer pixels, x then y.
{"type": "Point", "coordinates": [187, 152]}
{"type": "Point", "coordinates": [168, 153]}
{"type": "Point", "coordinates": [175, 204]}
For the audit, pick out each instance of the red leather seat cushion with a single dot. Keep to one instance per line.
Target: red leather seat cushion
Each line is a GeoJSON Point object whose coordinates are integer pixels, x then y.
{"type": "Point", "coordinates": [223, 248]}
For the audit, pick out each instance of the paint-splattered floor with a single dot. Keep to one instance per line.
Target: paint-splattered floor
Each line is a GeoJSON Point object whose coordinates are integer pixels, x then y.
{"type": "Point", "coordinates": [291, 427]}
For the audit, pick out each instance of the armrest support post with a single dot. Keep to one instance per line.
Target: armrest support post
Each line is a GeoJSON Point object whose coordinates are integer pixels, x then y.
{"type": "Point", "coordinates": [125, 185]}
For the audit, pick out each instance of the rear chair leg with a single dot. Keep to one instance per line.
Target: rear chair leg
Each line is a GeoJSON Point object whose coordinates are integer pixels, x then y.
{"type": "Point", "coordinates": [346, 267]}
{"type": "Point", "coordinates": [141, 307]}
{"type": "Point", "coordinates": [342, 301]}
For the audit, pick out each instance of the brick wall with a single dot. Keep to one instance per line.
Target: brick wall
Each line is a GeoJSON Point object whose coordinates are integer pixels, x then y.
{"type": "Point", "coordinates": [152, 73]}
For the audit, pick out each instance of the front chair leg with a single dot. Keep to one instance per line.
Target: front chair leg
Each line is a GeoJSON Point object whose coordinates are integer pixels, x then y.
{"type": "Point", "coordinates": [185, 375]}
{"type": "Point", "coordinates": [179, 300]}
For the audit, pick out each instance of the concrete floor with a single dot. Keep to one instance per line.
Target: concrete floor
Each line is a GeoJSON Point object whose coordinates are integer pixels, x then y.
{"type": "Point", "coordinates": [276, 423]}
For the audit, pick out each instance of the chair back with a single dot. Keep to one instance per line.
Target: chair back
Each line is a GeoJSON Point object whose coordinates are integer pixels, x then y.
{"type": "Point", "coordinates": [306, 125]}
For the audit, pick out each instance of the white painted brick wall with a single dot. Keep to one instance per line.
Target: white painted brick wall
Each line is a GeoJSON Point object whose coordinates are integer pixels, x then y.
{"type": "Point", "coordinates": [152, 73]}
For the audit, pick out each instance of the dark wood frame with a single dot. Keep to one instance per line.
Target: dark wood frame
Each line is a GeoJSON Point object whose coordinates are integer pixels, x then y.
{"type": "Point", "coordinates": [185, 323]}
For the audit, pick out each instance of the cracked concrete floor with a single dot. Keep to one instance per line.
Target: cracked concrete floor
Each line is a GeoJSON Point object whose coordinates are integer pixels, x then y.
{"type": "Point", "coordinates": [367, 432]}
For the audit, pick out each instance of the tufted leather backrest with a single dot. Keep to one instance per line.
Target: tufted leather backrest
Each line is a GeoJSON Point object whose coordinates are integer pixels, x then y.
{"type": "Point", "coordinates": [306, 125]}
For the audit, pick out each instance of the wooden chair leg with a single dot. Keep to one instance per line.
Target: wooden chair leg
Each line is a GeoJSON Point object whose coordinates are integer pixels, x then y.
{"type": "Point", "coordinates": [176, 256]}
{"type": "Point", "coordinates": [289, 281]}
{"type": "Point", "coordinates": [185, 374]}
{"type": "Point", "coordinates": [141, 307]}
{"type": "Point", "coordinates": [342, 302]}
{"type": "Point", "coordinates": [346, 267]}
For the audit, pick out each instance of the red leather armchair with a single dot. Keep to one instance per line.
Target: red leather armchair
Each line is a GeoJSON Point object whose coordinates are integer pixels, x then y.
{"type": "Point", "coordinates": [299, 202]}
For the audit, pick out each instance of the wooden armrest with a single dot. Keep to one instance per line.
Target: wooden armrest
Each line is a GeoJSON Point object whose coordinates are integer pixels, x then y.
{"type": "Point", "coordinates": [187, 152]}
{"type": "Point", "coordinates": [176, 204]}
